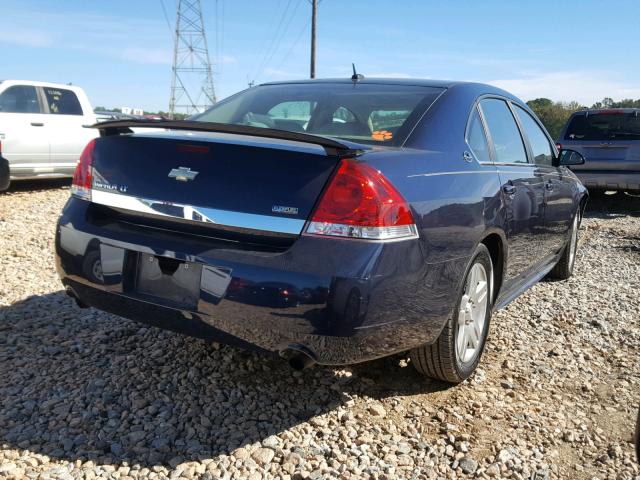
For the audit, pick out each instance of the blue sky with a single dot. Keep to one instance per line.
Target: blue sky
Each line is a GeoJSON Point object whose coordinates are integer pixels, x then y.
{"type": "Point", "coordinates": [121, 51]}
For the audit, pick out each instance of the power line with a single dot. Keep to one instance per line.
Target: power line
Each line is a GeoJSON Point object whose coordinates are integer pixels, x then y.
{"type": "Point", "coordinates": [274, 41]}
{"type": "Point", "coordinates": [166, 17]}
{"type": "Point", "coordinates": [293, 45]}
{"type": "Point", "coordinates": [284, 33]}
{"type": "Point", "coordinates": [261, 53]}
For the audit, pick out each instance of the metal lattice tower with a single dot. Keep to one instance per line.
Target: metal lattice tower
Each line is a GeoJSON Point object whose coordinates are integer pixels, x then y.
{"type": "Point", "coordinates": [192, 81]}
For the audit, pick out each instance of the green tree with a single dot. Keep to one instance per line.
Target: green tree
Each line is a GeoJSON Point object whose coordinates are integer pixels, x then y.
{"type": "Point", "coordinates": [553, 115]}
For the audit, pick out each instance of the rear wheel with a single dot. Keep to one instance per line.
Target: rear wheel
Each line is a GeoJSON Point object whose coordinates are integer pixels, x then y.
{"type": "Point", "coordinates": [454, 356]}
{"type": "Point", "coordinates": [564, 268]}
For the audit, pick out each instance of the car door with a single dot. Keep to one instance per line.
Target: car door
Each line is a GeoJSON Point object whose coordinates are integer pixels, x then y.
{"type": "Point", "coordinates": [66, 120]}
{"type": "Point", "coordinates": [23, 130]}
{"type": "Point", "coordinates": [522, 190]}
{"type": "Point", "coordinates": [559, 186]}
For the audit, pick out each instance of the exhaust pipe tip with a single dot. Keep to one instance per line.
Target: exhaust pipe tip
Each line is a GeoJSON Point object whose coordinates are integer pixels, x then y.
{"type": "Point", "coordinates": [298, 357]}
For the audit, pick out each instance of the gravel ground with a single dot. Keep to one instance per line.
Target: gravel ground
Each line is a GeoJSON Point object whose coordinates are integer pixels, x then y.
{"type": "Point", "coordinates": [84, 394]}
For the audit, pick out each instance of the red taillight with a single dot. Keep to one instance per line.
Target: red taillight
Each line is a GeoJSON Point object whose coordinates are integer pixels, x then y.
{"type": "Point", "coordinates": [558, 146]}
{"type": "Point", "coordinates": [82, 177]}
{"type": "Point", "coordinates": [361, 203]}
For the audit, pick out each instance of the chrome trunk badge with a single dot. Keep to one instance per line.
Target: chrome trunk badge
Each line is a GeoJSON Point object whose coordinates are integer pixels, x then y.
{"type": "Point", "coordinates": [182, 174]}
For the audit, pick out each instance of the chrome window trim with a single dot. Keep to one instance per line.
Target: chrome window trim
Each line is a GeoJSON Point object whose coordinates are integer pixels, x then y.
{"type": "Point", "coordinates": [210, 216]}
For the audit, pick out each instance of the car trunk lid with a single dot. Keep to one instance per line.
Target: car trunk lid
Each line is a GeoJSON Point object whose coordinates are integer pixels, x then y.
{"type": "Point", "coordinates": [224, 182]}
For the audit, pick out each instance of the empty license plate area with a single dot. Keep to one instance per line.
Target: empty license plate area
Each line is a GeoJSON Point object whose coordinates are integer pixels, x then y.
{"type": "Point", "coordinates": [169, 281]}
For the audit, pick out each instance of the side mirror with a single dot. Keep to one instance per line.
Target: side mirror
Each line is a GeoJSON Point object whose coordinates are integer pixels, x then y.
{"type": "Point", "coordinates": [570, 157]}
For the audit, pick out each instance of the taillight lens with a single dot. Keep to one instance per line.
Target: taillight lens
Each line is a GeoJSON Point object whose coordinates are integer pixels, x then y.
{"type": "Point", "coordinates": [558, 146]}
{"type": "Point", "coordinates": [361, 203]}
{"type": "Point", "coordinates": [82, 177]}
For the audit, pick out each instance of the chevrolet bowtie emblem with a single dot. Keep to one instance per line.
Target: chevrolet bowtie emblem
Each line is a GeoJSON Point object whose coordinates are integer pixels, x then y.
{"type": "Point", "coordinates": [182, 174]}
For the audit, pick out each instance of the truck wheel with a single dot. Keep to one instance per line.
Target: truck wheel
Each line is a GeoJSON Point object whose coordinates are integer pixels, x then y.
{"type": "Point", "coordinates": [454, 356]}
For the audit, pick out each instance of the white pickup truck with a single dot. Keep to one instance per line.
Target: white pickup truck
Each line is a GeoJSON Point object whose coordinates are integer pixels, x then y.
{"type": "Point", "coordinates": [42, 128]}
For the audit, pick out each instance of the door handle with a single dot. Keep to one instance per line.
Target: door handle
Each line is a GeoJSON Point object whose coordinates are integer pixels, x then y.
{"type": "Point", "coordinates": [37, 124]}
{"type": "Point", "coordinates": [549, 185]}
{"type": "Point", "coordinates": [509, 189]}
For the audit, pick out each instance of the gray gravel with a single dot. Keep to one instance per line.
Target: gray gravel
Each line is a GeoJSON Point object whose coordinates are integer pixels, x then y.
{"type": "Point", "coordinates": [84, 394]}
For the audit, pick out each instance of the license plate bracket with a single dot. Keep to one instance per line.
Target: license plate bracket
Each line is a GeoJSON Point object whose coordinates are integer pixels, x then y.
{"type": "Point", "coordinates": [169, 281]}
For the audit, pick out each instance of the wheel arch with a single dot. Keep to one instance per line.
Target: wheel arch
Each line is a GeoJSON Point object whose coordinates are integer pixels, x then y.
{"type": "Point", "coordinates": [496, 243]}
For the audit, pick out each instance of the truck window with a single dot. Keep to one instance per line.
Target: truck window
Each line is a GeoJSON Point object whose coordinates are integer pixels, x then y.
{"type": "Point", "coordinates": [19, 99]}
{"type": "Point", "coordinates": [62, 102]}
{"type": "Point", "coordinates": [605, 125]}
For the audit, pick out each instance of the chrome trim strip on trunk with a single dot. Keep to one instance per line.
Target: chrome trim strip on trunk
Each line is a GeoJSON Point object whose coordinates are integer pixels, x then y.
{"type": "Point", "coordinates": [222, 218]}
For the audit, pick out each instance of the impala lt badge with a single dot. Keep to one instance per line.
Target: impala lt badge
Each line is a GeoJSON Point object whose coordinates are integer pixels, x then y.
{"type": "Point", "coordinates": [282, 209]}
{"type": "Point", "coordinates": [182, 174]}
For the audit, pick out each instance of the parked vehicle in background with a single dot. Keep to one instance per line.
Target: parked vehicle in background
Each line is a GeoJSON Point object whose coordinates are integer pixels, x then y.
{"type": "Point", "coordinates": [42, 128]}
{"type": "Point", "coordinates": [4, 171]}
{"type": "Point", "coordinates": [103, 116]}
{"type": "Point", "coordinates": [331, 221]}
{"type": "Point", "coordinates": [609, 140]}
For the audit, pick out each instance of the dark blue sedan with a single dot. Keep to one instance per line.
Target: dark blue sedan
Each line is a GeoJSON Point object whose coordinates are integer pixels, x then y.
{"type": "Point", "coordinates": [331, 221]}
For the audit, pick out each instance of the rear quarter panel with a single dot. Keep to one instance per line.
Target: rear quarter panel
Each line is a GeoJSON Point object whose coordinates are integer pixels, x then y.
{"type": "Point", "coordinates": [455, 203]}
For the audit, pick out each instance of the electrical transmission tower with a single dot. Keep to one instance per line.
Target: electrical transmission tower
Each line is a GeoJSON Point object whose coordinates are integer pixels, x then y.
{"type": "Point", "coordinates": [192, 81]}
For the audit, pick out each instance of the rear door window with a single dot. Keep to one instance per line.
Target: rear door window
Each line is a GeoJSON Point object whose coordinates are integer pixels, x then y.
{"type": "Point", "coordinates": [507, 142]}
{"type": "Point", "coordinates": [19, 99]}
{"type": "Point", "coordinates": [477, 139]}
{"type": "Point", "coordinates": [604, 126]}
{"type": "Point", "coordinates": [62, 102]}
{"type": "Point", "coordinates": [538, 141]}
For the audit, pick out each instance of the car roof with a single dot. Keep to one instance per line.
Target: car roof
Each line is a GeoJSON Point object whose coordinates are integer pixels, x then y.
{"type": "Point", "coordinates": [594, 111]}
{"type": "Point", "coordinates": [375, 80]}
{"type": "Point", "coordinates": [472, 88]}
{"type": "Point", "coordinates": [42, 84]}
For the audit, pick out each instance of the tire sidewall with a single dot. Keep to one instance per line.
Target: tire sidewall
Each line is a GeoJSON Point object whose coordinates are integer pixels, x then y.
{"type": "Point", "coordinates": [466, 369]}
{"type": "Point", "coordinates": [575, 227]}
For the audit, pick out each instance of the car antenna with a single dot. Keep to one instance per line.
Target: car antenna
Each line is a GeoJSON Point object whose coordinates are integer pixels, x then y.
{"type": "Point", "coordinates": [356, 76]}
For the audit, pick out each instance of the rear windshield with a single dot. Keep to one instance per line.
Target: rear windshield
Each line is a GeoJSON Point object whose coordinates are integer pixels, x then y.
{"type": "Point", "coordinates": [366, 113]}
{"type": "Point", "coordinates": [604, 126]}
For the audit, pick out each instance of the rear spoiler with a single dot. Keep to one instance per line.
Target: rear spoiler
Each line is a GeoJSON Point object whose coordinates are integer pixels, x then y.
{"type": "Point", "coordinates": [331, 146]}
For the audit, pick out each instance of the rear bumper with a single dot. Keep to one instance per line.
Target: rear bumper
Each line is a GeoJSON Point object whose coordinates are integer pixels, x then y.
{"type": "Point", "coordinates": [609, 180]}
{"type": "Point", "coordinates": [344, 301]}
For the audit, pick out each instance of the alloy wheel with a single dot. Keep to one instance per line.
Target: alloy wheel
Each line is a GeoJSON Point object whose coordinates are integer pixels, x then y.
{"type": "Point", "coordinates": [472, 314]}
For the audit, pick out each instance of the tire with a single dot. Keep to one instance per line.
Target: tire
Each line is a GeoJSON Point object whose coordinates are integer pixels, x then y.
{"type": "Point", "coordinates": [4, 175]}
{"type": "Point", "coordinates": [564, 268]}
{"type": "Point", "coordinates": [452, 357]}
{"type": "Point", "coordinates": [92, 267]}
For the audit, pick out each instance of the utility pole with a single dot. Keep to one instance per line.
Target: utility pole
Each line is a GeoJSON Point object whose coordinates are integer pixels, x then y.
{"type": "Point", "coordinates": [192, 81]}
{"type": "Point", "coordinates": [314, 18]}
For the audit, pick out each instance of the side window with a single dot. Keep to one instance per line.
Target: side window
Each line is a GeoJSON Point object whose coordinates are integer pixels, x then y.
{"type": "Point", "coordinates": [538, 141]}
{"type": "Point", "coordinates": [19, 99]}
{"type": "Point", "coordinates": [300, 111]}
{"type": "Point", "coordinates": [388, 119]}
{"type": "Point", "coordinates": [477, 139]}
{"type": "Point", "coordinates": [343, 115]}
{"type": "Point", "coordinates": [504, 132]}
{"type": "Point", "coordinates": [62, 102]}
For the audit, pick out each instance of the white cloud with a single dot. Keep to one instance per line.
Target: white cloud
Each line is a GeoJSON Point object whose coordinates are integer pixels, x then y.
{"type": "Point", "coordinates": [389, 75]}
{"type": "Point", "coordinates": [228, 59]}
{"type": "Point", "coordinates": [586, 87]}
{"type": "Point", "coordinates": [276, 72]}
{"type": "Point", "coordinates": [26, 38]}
